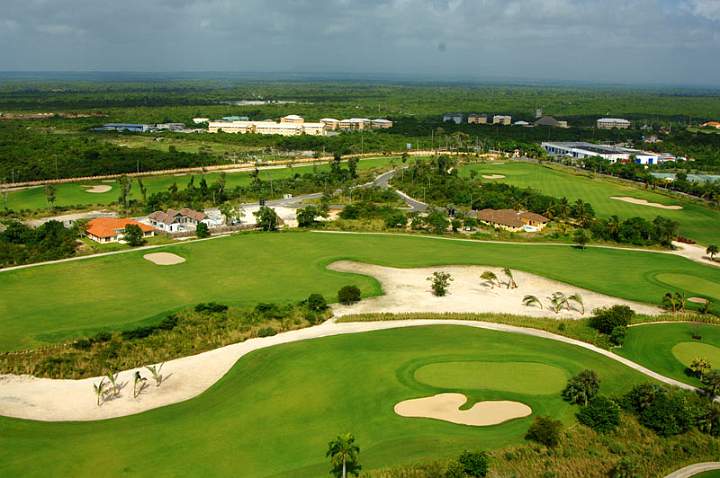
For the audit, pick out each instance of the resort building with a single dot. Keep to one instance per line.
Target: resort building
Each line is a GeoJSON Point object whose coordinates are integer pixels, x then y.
{"type": "Point", "coordinates": [582, 150]}
{"type": "Point", "coordinates": [129, 127]}
{"type": "Point", "coordinates": [456, 118]}
{"type": "Point", "coordinates": [294, 119]}
{"type": "Point", "coordinates": [511, 220]}
{"type": "Point", "coordinates": [610, 123]}
{"type": "Point", "coordinates": [711, 124]}
{"type": "Point", "coordinates": [176, 221]}
{"type": "Point", "coordinates": [331, 124]}
{"type": "Point", "coordinates": [502, 119]}
{"type": "Point", "coordinates": [477, 119]}
{"type": "Point", "coordinates": [353, 124]}
{"type": "Point", "coordinates": [111, 229]}
{"type": "Point", "coordinates": [381, 124]}
{"type": "Point", "coordinates": [267, 127]}
{"type": "Point", "coordinates": [551, 122]}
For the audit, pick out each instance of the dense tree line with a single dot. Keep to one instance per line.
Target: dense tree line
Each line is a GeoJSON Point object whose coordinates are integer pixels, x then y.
{"type": "Point", "coordinates": [21, 244]}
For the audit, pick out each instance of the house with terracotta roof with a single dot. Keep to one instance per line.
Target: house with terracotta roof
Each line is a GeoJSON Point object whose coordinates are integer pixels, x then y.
{"type": "Point", "coordinates": [512, 220]}
{"type": "Point", "coordinates": [112, 229]}
{"type": "Point", "coordinates": [712, 124]}
{"type": "Point", "coordinates": [185, 219]}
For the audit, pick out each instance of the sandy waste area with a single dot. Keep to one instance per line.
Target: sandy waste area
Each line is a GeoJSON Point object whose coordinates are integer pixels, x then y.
{"type": "Point", "coordinates": [493, 176]}
{"type": "Point", "coordinates": [164, 258]}
{"type": "Point", "coordinates": [446, 407]}
{"type": "Point", "coordinates": [643, 202]}
{"type": "Point", "coordinates": [408, 290]}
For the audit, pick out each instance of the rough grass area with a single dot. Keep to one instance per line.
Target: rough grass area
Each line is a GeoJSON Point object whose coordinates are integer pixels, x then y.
{"type": "Point", "coordinates": [696, 220]}
{"type": "Point", "coordinates": [274, 412]}
{"type": "Point", "coordinates": [79, 298]}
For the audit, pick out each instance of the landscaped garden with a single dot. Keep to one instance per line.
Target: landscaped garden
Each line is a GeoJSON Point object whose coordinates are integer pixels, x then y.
{"type": "Point", "coordinates": [245, 269]}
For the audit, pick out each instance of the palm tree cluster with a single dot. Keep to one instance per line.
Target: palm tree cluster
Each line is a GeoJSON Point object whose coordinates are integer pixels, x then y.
{"type": "Point", "coordinates": [558, 302]}
{"type": "Point", "coordinates": [106, 390]}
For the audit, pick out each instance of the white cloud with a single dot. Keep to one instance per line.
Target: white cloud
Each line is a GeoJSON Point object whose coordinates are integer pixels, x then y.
{"type": "Point", "coordinates": [709, 9]}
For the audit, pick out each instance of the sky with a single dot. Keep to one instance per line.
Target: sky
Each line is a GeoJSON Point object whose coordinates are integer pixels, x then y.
{"type": "Point", "coordinates": [609, 41]}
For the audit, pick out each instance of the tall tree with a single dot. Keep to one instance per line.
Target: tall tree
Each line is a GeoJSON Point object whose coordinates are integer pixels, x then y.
{"type": "Point", "coordinates": [50, 195]}
{"type": "Point", "coordinates": [343, 454]}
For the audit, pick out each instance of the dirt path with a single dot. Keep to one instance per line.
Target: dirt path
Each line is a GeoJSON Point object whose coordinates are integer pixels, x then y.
{"type": "Point", "coordinates": [74, 400]}
{"type": "Point", "coordinates": [695, 469]}
{"type": "Point", "coordinates": [408, 290]}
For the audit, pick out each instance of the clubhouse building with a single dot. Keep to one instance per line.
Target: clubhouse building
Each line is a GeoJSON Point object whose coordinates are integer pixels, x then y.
{"type": "Point", "coordinates": [111, 229]}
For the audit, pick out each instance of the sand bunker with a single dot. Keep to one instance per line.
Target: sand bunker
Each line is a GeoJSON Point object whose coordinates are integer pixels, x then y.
{"type": "Point", "coordinates": [99, 188]}
{"type": "Point", "coordinates": [643, 202]}
{"type": "Point", "coordinates": [164, 258]}
{"type": "Point", "coordinates": [446, 407]}
{"type": "Point", "coordinates": [408, 291]}
{"type": "Point", "coordinates": [697, 300]}
{"type": "Point", "coordinates": [493, 176]}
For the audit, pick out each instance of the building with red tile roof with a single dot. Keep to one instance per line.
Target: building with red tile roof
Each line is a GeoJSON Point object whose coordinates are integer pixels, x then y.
{"type": "Point", "coordinates": [111, 229]}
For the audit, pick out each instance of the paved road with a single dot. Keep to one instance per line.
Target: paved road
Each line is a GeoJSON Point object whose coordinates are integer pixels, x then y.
{"type": "Point", "coordinates": [383, 181]}
{"type": "Point", "coordinates": [695, 469]}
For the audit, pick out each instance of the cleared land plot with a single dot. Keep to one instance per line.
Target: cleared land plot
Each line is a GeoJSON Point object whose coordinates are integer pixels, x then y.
{"type": "Point", "coordinates": [113, 292]}
{"type": "Point", "coordinates": [696, 221]}
{"type": "Point", "coordinates": [669, 348]}
{"type": "Point", "coordinates": [76, 194]}
{"type": "Point", "coordinates": [274, 412]}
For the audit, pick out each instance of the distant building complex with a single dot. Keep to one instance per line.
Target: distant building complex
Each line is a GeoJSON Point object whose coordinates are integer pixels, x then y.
{"type": "Point", "coordinates": [582, 150]}
{"type": "Point", "coordinates": [293, 125]}
{"type": "Point", "coordinates": [611, 123]}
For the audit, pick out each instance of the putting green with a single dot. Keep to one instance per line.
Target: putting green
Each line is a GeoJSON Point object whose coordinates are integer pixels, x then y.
{"type": "Point", "coordinates": [686, 352]}
{"type": "Point", "coordinates": [688, 282]}
{"type": "Point", "coordinates": [669, 348]}
{"type": "Point", "coordinates": [518, 377]}
{"type": "Point", "coordinates": [274, 412]}
{"type": "Point", "coordinates": [55, 302]}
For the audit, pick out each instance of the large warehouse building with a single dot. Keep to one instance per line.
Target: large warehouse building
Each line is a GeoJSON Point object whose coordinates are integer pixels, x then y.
{"type": "Point", "coordinates": [582, 150]}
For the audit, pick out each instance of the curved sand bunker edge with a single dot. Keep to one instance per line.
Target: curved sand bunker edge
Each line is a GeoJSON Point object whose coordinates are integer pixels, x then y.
{"type": "Point", "coordinates": [446, 407]}
{"type": "Point", "coordinates": [98, 189]}
{"type": "Point", "coordinates": [644, 202]}
{"type": "Point", "coordinates": [164, 258]}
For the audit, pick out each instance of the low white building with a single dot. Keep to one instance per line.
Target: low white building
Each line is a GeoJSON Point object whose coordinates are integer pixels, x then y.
{"type": "Point", "coordinates": [582, 150]}
{"type": "Point", "coordinates": [502, 119]}
{"type": "Point", "coordinates": [610, 123]}
{"type": "Point", "coordinates": [267, 127]}
{"type": "Point", "coordinates": [185, 219]}
{"type": "Point", "coordinates": [201, 120]}
{"type": "Point", "coordinates": [456, 118]}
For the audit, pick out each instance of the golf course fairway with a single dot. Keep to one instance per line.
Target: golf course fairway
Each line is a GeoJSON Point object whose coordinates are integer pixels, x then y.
{"type": "Point", "coordinates": [274, 412]}
{"type": "Point", "coordinates": [246, 269]}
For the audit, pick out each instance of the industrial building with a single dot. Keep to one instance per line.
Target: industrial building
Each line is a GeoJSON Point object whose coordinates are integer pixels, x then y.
{"type": "Point", "coordinates": [610, 123]}
{"type": "Point", "coordinates": [582, 150]}
{"type": "Point", "coordinates": [133, 128]}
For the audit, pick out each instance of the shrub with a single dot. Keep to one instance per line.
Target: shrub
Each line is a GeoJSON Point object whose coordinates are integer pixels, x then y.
{"type": "Point", "coordinates": [316, 302]}
{"type": "Point", "coordinates": [101, 337]}
{"type": "Point", "coordinates": [642, 396]}
{"type": "Point", "coordinates": [474, 464]}
{"type": "Point", "coordinates": [82, 344]}
{"type": "Point", "coordinates": [455, 470]}
{"type": "Point", "coordinates": [582, 388]}
{"type": "Point", "coordinates": [138, 332]}
{"type": "Point", "coordinates": [601, 414]}
{"type": "Point", "coordinates": [211, 307]}
{"type": "Point", "coordinates": [669, 414]}
{"type": "Point", "coordinates": [440, 283]}
{"type": "Point", "coordinates": [545, 430]}
{"type": "Point", "coordinates": [625, 468]}
{"type": "Point", "coordinates": [168, 323]}
{"type": "Point", "coordinates": [711, 383]}
{"type": "Point", "coordinates": [698, 367]}
{"type": "Point", "coordinates": [266, 332]}
{"type": "Point", "coordinates": [349, 294]}
{"type": "Point", "coordinates": [395, 220]}
{"type": "Point", "coordinates": [606, 319]}
{"type": "Point", "coordinates": [202, 231]}
{"type": "Point", "coordinates": [617, 336]}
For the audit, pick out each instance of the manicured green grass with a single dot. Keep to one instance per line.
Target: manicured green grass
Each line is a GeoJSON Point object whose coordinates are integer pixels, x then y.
{"type": "Point", "coordinates": [709, 474]}
{"type": "Point", "coordinates": [696, 221]}
{"type": "Point", "coordinates": [54, 302]}
{"type": "Point", "coordinates": [275, 411]}
{"type": "Point", "coordinates": [703, 287]}
{"type": "Point", "coordinates": [654, 347]}
{"type": "Point", "coordinates": [75, 194]}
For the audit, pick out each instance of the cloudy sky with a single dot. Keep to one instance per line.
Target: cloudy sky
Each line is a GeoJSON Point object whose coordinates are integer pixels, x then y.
{"type": "Point", "coordinates": [623, 41]}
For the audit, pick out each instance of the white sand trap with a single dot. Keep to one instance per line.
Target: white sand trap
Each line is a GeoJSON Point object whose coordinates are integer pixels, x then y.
{"type": "Point", "coordinates": [164, 258]}
{"type": "Point", "coordinates": [408, 290]}
{"type": "Point", "coordinates": [697, 300]}
{"type": "Point", "coordinates": [493, 176]}
{"type": "Point", "coordinates": [446, 407]}
{"type": "Point", "coordinates": [98, 188]}
{"type": "Point", "coordinates": [643, 202]}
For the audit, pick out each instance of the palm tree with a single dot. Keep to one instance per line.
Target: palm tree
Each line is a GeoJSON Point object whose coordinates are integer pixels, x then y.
{"type": "Point", "coordinates": [155, 371]}
{"type": "Point", "coordinates": [669, 302]}
{"type": "Point", "coordinates": [558, 301]}
{"type": "Point", "coordinates": [511, 284]}
{"type": "Point", "coordinates": [99, 390]}
{"type": "Point", "coordinates": [343, 454]}
{"type": "Point", "coordinates": [531, 300]}
{"type": "Point", "coordinates": [577, 298]}
{"type": "Point", "coordinates": [112, 377]}
{"type": "Point", "coordinates": [712, 250]}
{"type": "Point", "coordinates": [139, 380]}
{"type": "Point", "coordinates": [489, 277]}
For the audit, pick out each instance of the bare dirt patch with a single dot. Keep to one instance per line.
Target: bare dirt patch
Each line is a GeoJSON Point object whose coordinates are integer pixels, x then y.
{"type": "Point", "coordinates": [98, 188]}
{"type": "Point", "coordinates": [164, 258]}
{"type": "Point", "coordinates": [446, 407]}
{"type": "Point", "coordinates": [408, 291]}
{"type": "Point", "coordinates": [643, 202]}
{"type": "Point", "coordinates": [493, 176]}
